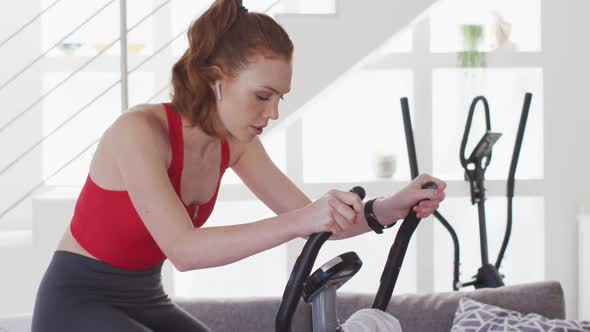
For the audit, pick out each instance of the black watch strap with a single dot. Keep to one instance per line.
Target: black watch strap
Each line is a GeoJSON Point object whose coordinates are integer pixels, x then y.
{"type": "Point", "coordinates": [372, 221]}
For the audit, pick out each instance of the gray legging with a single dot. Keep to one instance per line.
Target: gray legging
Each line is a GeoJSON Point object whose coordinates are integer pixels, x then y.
{"type": "Point", "coordinates": [78, 293]}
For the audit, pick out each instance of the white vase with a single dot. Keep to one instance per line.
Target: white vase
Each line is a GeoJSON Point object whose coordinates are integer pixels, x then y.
{"type": "Point", "coordinates": [384, 165]}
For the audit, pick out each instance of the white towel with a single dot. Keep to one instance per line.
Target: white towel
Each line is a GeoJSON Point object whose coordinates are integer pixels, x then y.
{"type": "Point", "coordinates": [371, 320]}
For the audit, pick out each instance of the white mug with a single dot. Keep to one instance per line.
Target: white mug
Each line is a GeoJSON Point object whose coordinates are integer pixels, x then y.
{"type": "Point", "coordinates": [384, 165]}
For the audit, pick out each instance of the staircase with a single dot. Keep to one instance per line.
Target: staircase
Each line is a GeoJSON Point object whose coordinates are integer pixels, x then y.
{"type": "Point", "coordinates": [326, 46]}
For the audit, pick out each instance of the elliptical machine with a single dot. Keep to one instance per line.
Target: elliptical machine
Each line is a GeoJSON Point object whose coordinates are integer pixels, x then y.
{"type": "Point", "coordinates": [475, 166]}
{"type": "Point", "coordinates": [320, 289]}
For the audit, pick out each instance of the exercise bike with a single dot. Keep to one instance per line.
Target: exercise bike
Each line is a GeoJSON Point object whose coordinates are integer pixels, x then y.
{"type": "Point", "coordinates": [475, 166]}
{"type": "Point", "coordinates": [320, 288]}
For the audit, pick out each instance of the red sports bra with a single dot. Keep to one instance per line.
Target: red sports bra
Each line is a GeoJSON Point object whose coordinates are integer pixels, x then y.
{"type": "Point", "coordinates": [106, 224]}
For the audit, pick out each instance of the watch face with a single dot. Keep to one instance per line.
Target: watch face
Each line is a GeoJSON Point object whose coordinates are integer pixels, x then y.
{"type": "Point", "coordinates": [371, 218]}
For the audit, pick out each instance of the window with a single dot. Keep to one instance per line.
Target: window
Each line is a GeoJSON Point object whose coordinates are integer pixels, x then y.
{"type": "Point", "coordinates": [350, 121]}
{"type": "Point", "coordinates": [522, 17]}
{"type": "Point", "coordinates": [100, 31]}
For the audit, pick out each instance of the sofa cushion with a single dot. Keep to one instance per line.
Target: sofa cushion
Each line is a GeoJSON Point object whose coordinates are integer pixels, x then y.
{"type": "Point", "coordinates": [434, 312]}
{"type": "Point", "coordinates": [244, 314]}
{"type": "Point", "coordinates": [472, 315]}
{"type": "Point", "coordinates": [415, 312]}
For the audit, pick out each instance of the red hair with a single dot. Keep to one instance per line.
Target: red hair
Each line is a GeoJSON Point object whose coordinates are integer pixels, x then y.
{"type": "Point", "coordinates": [226, 36]}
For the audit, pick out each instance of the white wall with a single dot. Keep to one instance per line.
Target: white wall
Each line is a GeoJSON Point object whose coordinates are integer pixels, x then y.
{"type": "Point", "coordinates": [567, 118]}
{"type": "Point", "coordinates": [14, 98]}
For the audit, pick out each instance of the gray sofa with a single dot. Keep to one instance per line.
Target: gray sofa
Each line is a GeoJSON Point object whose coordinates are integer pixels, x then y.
{"type": "Point", "coordinates": [416, 313]}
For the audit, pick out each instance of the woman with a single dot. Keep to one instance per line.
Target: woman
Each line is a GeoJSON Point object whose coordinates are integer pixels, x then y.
{"type": "Point", "coordinates": [155, 176]}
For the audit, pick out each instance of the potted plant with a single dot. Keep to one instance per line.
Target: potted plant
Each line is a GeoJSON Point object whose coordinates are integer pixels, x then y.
{"type": "Point", "coordinates": [472, 38]}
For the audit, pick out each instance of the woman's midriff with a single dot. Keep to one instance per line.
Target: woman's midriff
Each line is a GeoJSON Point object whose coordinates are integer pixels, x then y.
{"type": "Point", "coordinates": [69, 243]}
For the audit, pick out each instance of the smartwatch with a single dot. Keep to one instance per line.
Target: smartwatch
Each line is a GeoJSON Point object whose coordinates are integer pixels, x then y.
{"type": "Point", "coordinates": [372, 219]}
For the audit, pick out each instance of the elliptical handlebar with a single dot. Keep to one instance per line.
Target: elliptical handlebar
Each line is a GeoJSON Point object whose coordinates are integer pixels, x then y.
{"type": "Point", "coordinates": [409, 132]}
{"type": "Point", "coordinates": [396, 257]}
{"type": "Point", "coordinates": [300, 274]}
{"type": "Point", "coordinates": [486, 107]}
{"type": "Point", "coordinates": [511, 174]}
{"type": "Point", "coordinates": [518, 143]}
{"type": "Point", "coordinates": [408, 226]}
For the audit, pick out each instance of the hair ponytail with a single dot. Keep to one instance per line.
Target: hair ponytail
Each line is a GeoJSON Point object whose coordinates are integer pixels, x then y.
{"type": "Point", "coordinates": [224, 36]}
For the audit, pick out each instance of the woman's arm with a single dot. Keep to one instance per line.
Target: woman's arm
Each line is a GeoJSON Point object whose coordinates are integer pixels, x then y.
{"type": "Point", "coordinates": [280, 194]}
{"type": "Point", "coordinates": [274, 188]}
{"type": "Point", "coordinates": [240, 241]}
{"type": "Point", "coordinates": [383, 215]}
{"type": "Point", "coordinates": [397, 206]}
{"type": "Point", "coordinates": [139, 153]}
{"type": "Point", "coordinates": [217, 246]}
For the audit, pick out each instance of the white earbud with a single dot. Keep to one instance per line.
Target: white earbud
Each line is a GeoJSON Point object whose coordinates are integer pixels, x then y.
{"type": "Point", "coordinates": [218, 89]}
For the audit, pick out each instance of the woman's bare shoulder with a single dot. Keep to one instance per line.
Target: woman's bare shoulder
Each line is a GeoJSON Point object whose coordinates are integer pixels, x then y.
{"type": "Point", "coordinates": [154, 115]}
{"type": "Point", "coordinates": [144, 118]}
{"type": "Point", "coordinates": [142, 124]}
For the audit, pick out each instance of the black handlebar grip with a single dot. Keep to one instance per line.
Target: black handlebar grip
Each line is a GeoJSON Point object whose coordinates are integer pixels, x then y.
{"type": "Point", "coordinates": [300, 274]}
{"type": "Point", "coordinates": [396, 256]}
{"type": "Point", "coordinates": [359, 191]}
